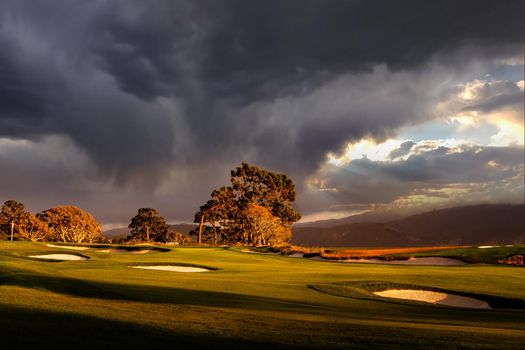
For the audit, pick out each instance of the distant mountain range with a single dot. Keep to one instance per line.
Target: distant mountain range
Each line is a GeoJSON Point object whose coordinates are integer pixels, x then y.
{"type": "Point", "coordinates": [472, 225]}
{"type": "Point", "coordinates": [371, 216]}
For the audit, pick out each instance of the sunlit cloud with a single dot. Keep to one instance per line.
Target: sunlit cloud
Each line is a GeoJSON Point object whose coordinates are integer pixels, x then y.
{"type": "Point", "coordinates": [365, 149]}
{"type": "Point", "coordinates": [418, 175]}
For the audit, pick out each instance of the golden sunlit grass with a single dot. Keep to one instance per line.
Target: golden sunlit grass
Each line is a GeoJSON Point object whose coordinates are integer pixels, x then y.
{"type": "Point", "coordinates": [366, 253]}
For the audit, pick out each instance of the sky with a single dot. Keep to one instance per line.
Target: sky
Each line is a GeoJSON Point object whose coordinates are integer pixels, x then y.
{"type": "Point", "coordinates": [367, 105]}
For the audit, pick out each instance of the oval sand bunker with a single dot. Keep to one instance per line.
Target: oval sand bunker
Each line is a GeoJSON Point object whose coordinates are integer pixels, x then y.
{"type": "Point", "coordinates": [173, 268]}
{"type": "Point", "coordinates": [434, 298]}
{"type": "Point", "coordinates": [72, 247]}
{"type": "Point", "coordinates": [58, 257]}
{"type": "Point", "coordinates": [124, 251]}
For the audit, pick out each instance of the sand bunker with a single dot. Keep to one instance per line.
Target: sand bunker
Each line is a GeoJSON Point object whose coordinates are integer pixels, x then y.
{"type": "Point", "coordinates": [487, 246]}
{"type": "Point", "coordinates": [72, 247]}
{"type": "Point", "coordinates": [296, 255]}
{"type": "Point", "coordinates": [436, 261]}
{"type": "Point", "coordinates": [124, 251]}
{"type": "Point", "coordinates": [58, 257]}
{"type": "Point", "coordinates": [173, 268]}
{"type": "Point", "coordinates": [434, 298]}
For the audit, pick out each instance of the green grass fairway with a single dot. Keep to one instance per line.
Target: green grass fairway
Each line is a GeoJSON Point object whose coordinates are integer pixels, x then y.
{"type": "Point", "coordinates": [251, 301]}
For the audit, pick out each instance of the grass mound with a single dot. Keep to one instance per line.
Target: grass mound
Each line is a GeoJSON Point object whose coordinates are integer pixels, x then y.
{"type": "Point", "coordinates": [128, 248]}
{"type": "Point", "coordinates": [364, 290]}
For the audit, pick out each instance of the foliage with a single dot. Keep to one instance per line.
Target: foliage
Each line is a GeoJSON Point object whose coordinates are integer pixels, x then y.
{"type": "Point", "coordinates": [33, 229]}
{"type": "Point", "coordinates": [26, 225]}
{"type": "Point", "coordinates": [11, 212]}
{"type": "Point", "coordinates": [262, 228]}
{"type": "Point", "coordinates": [274, 191]}
{"type": "Point", "coordinates": [148, 226]}
{"type": "Point", "coordinates": [71, 224]}
{"type": "Point", "coordinates": [175, 237]}
{"type": "Point", "coordinates": [233, 212]}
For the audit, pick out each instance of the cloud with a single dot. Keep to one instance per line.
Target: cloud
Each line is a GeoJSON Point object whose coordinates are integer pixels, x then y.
{"type": "Point", "coordinates": [161, 98]}
{"type": "Point", "coordinates": [403, 150]}
{"type": "Point", "coordinates": [467, 171]}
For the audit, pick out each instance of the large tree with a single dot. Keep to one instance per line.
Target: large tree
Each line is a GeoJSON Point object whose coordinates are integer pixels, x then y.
{"type": "Point", "coordinates": [148, 226]}
{"type": "Point", "coordinates": [71, 224]}
{"type": "Point", "coordinates": [11, 215]}
{"type": "Point", "coordinates": [225, 218]}
{"type": "Point", "coordinates": [275, 191]}
{"type": "Point", "coordinates": [33, 229]}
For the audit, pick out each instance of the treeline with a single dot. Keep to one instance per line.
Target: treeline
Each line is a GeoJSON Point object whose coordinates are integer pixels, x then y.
{"type": "Point", "coordinates": [63, 223]}
{"type": "Point", "coordinates": [256, 209]}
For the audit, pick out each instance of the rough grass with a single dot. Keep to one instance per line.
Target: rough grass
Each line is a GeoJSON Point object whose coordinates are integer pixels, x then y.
{"type": "Point", "coordinates": [251, 301]}
{"type": "Point", "coordinates": [476, 255]}
{"type": "Point", "coordinates": [369, 253]}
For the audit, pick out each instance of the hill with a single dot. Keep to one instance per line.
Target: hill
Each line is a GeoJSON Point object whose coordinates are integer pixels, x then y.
{"type": "Point", "coordinates": [479, 224]}
{"type": "Point", "coordinates": [368, 217]}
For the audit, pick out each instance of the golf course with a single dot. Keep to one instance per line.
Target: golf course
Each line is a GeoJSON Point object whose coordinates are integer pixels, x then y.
{"type": "Point", "coordinates": [233, 298]}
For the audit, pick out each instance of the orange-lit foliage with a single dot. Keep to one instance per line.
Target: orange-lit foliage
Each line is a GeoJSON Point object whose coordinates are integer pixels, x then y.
{"type": "Point", "coordinates": [262, 228]}
{"type": "Point", "coordinates": [71, 224]}
{"type": "Point", "coordinates": [33, 229]}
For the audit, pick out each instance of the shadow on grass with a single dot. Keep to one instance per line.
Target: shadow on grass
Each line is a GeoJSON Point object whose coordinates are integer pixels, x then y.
{"type": "Point", "coordinates": [22, 328]}
{"type": "Point", "coordinates": [153, 294]}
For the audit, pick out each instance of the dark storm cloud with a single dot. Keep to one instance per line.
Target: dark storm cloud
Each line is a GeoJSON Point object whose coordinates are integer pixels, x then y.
{"type": "Point", "coordinates": [145, 89]}
{"type": "Point", "coordinates": [25, 97]}
{"type": "Point", "coordinates": [254, 49]}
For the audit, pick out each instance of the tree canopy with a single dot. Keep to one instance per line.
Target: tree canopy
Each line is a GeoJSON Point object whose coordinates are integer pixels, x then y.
{"type": "Point", "coordinates": [148, 226]}
{"type": "Point", "coordinates": [26, 226]}
{"type": "Point", "coordinates": [71, 224]}
{"type": "Point", "coordinates": [12, 212]}
{"type": "Point", "coordinates": [256, 198]}
{"type": "Point", "coordinates": [33, 229]}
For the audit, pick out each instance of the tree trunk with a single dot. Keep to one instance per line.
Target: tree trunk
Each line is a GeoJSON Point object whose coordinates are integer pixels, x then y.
{"type": "Point", "coordinates": [200, 229]}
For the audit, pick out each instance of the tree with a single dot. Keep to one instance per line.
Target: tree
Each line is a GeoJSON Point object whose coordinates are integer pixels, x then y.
{"type": "Point", "coordinates": [262, 228]}
{"type": "Point", "coordinates": [71, 224]}
{"type": "Point", "coordinates": [274, 191]}
{"type": "Point", "coordinates": [11, 215]}
{"type": "Point", "coordinates": [224, 218]}
{"type": "Point", "coordinates": [175, 237]}
{"type": "Point", "coordinates": [216, 213]}
{"type": "Point", "coordinates": [33, 229]}
{"type": "Point", "coordinates": [148, 226]}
